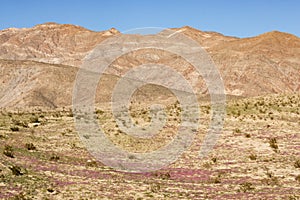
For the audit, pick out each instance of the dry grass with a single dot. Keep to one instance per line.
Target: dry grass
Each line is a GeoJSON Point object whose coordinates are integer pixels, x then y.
{"type": "Point", "coordinates": [45, 158]}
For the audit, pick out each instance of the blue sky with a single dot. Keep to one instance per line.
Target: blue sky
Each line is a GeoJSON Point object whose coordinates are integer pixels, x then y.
{"type": "Point", "coordinates": [242, 18]}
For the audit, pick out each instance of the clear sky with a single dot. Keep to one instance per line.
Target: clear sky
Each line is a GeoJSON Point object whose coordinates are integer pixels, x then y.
{"type": "Point", "coordinates": [242, 18]}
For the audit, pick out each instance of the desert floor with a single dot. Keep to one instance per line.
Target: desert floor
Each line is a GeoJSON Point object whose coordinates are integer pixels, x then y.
{"type": "Point", "coordinates": [256, 157]}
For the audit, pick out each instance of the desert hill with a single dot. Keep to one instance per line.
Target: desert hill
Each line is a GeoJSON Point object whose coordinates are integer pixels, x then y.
{"type": "Point", "coordinates": [38, 65]}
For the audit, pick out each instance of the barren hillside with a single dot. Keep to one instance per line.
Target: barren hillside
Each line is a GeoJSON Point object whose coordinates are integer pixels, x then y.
{"type": "Point", "coordinates": [39, 64]}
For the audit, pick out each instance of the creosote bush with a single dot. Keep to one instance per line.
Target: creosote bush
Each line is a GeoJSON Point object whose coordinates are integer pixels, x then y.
{"type": "Point", "coordinates": [99, 112]}
{"type": "Point", "coordinates": [16, 170]}
{"type": "Point", "coordinates": [54, 158]}
{"type": "Point", "coordinates": [273, 144]}
{"type": "Point", "coordinates": [92, 163]}
{"type": "Point", "coordinates": [30, 146]}
{"type": "Point", "coordinates": [19, 123]}
{"type": "Point", "coordinates": [8, 151]}
{"type": "Point", "coordinates": [297, 178]}
{"type": "Point", "coordinates": [253, 156]}
{"type": "Point", "coordinates": [246, 187]}
{"type": "Point", "coordinates": [271, 179]}
{"type": "Point", "coordinates": [14, 128]}
{"type": "Point", "coordinates": [237, 130]}
{"type": "Point", "coordinates": [297, 163]}
{"type": "Point", "coordinates": [247, 135]}
{"type": "Point", "coordinates": [34, 119]}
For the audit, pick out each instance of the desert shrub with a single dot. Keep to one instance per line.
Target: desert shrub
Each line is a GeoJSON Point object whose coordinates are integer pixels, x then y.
{"type": "Point", "coordinates": [297, 163]}
{"type": "Point", "coordinates": [14, 128]}
{"type": "Point", "coordinates": [99, 112]}
{"type": "Point", "coordinates": [246, 187]}
{"type": "Point", "coordinates": [294, 197]}
{"type": "Point", "coordinates": [253, 156]}
{"type": "Point", "coordinates": [34, 119]}
{"type": "Point", "coordinates": [50, 190]}
{"type": "Point", "coordinates": [8, 151]}
{"type": "Point", "coordinates": [68, 130]}
{"type": "Point", "coordinates": [30, 146]}
{"type": "Point", "coordinates": [237, 130]}
{"type": "Point", "coordinates": [56, 115]}
{"type": "Point", "coordinates": [273, 144]}
{"type": "Point", "coordinates": [297, 178]}
{"type": "Point", "coordinates": [155, 188]}
{"type": "Point", "coordinates": [16, 170]}
{"type": "Point", "coordinates": [19, 123]}
{"type": "Point", "coordinates": [54, 158]}
{"type": "Point", "coordinates": [214, 159]}
{"type": "Point", "coordinates": [216, 179]}
{"type": "Point", "coordinates": [247, 135]}
{"type": "Point", "coordinates": [271, 179]}
{"type": "Point", "coordinates": [164, 176]}
{"type": "Point", "coordinates": [92, 163]}
{"type": "Point", "coordinates": [20, 196]}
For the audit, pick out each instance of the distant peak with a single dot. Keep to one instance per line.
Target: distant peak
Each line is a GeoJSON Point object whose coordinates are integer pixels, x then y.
{"type": "Point", "coordinates": [51, 23]}
{"type": "Point", "coordinates": [57, 25]}
{"type": "Point", "coordinates": [276, 33]}
{"type": "Point", "coordinates": [189, 28]}
{"type": "Point", "coordinates": [47, 24]}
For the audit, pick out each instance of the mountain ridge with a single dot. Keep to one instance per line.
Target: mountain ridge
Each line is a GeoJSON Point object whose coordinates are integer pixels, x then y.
{"type": "Point", "coordinates": [264, 64]}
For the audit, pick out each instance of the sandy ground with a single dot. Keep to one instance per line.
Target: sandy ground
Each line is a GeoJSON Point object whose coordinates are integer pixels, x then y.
{"type": "Point", "coordinates": [256, 157]}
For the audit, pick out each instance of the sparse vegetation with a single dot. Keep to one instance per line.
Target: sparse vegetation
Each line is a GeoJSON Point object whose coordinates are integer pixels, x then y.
{"type": "Point", "coordinates": [247, 135]}
{"type": "Point", "coordinates": [273, 144]}
{"type": "Point", "coordinates": [8, 151]}
{"type": "Point", "coordinates": [237, 130]}
{"type": "Point", "coordinates": [16, 170]}
{"type": "Point", "coordinates": [271, 179]}
{"type": "Point", "coordinates": [30, 146]}
{"type": "Point", "coordinates": [14, 128]}
{"type": "Point", "coordinates": [34, 119]}
{"type": "Point", "coordinates": [54, 158]}
{"type": "Point", "coordinates": [214, 159]}
{"type": "Point", "coordinates": [246, 187]}
{"type": "Point", "coordinates": [155, 188]}
{"type": "Point", "coordinates": [297, 178]}
{"type": "Point", "coordinates": [60, 154]}
{"type": "Point", "coordinates": [99, 112]}
{"type": "Point", "coordinates": [92, 163]}
{"type": "Point", "coordinates": [43, 157]}
{"type": "Point", "coordinates": [217, 179]}
{"type": "Point", "coordinates": [253, 156]}
{"type": "Point", "coordinates": [297, 163]}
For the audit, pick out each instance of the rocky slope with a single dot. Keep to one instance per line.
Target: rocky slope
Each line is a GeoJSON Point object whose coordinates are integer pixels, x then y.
{"type": "Point", "coordinates": [50, 43]}
{"type": "Point", "coordinates": [38, 65]}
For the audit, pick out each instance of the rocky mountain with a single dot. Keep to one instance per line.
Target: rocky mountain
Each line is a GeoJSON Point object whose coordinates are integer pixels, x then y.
{"type": "Point", "coordinates": [38, 65]}
{"type": "Point", "coordinates": [50, 43]}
